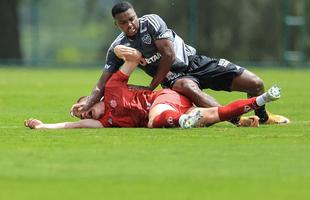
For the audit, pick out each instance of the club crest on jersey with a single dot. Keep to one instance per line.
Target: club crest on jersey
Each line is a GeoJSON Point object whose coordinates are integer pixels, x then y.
{"type": "Point", "coordinates": [113, 103]}
{"type": "Point", "coordinates": [147, 39]}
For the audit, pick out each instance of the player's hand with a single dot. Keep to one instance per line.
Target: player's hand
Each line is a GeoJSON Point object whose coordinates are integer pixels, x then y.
{"type": "Point", "coordinates": [143, 62]}
{"type": "Point", "coordinates": [128, 53]}
{"type": "Point", "coordinates": [33, 123]}
{"type": "Point", "coordinates": [77, 109]}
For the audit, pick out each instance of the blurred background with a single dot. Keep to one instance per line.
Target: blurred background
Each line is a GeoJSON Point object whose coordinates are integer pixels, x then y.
{"type": "Point", "coordinates": [79, 32]}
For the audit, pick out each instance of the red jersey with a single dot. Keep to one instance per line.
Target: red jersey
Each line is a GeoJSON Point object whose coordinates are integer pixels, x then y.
{"type": "Point", "coordinates": [129, 108]}
{"type": "Point", "coordinates": [125, 107]}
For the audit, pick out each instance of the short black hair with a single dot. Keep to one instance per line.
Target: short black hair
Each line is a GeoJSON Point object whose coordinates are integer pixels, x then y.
{"type": "Point", "coordinates": [120, 7]}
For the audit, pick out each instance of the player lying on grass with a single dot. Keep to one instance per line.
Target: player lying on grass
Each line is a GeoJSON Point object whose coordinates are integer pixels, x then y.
{"type": "Point", "coordinates": [124, 107]}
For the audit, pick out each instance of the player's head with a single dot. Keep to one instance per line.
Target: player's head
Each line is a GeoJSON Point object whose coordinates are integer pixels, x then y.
{"type": "Point", "coordinates": [126, 18]}
{"type": "Point", "coordinates": [95, 112]}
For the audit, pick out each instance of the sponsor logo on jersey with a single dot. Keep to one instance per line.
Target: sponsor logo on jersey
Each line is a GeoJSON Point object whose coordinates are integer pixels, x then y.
{"type": "Point", "coordinates": [147, 39]}
{"type": "Point", "coordinates": [153, 58]}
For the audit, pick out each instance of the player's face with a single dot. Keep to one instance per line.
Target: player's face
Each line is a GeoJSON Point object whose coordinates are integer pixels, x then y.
{"type": "Point", "coordinates": [94, 112]}
{"type": "Point", "coordinates": [128, 22]}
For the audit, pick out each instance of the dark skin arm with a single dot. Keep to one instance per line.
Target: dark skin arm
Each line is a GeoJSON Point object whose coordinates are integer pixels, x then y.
{"type": "Point", "coordinates": [94, 97]}
{"type": "Point", "coordinates": [165, 48]}
{"type": "Point", "coordinates": [98, 91]}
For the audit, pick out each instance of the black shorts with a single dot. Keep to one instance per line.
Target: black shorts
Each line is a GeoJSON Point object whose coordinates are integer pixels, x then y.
{"type": "Point", "coordinates": [216, 74]}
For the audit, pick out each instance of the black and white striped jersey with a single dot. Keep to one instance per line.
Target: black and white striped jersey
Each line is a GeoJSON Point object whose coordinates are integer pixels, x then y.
{"type": "Point", "coordinates": [151, 28]}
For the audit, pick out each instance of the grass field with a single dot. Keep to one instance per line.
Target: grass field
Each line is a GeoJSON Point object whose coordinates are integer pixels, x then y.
{"type": "Point", "coordinates": [219, 162]}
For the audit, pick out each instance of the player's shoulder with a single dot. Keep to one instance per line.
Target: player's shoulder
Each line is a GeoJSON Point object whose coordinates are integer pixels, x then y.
{"type": "Point", "coordinates": [150, 17]}
{"type": "Point", "coordinates": [120, 39]}
{"type": "Point", "coordinates": [152, 20]}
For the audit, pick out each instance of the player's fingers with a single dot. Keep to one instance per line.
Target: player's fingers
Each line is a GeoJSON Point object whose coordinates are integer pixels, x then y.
{"type": "Point", "coordinates": [74, 106]}
{"type": "Point", "coordinates": [26, 123]}
{"type": "Point", "coordinates": [75, 109]}
{"type": "Point", "coordinates": [142, 62]}
{"type": "Point", "coordinates": [80, 109]}
{"type": "Point", "coordinates": [34, 123]}
{"type": "Point", "coordinates": [31, 123]}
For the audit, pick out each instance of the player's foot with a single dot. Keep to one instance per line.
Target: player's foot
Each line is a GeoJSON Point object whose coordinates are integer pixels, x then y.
{"type": "Point", "coordinates": [276, 119]}
{"type": "Point", "coordinates": [274, 93]}
{"type": "Point", "coordinates": [190, 120]}
{"type": "Point", "coordinates": [252, 121]}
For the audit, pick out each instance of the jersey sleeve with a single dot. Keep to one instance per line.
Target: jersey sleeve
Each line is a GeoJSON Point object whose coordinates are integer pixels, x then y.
{"type": "Point", "coordinates": [104, 120]}
{"type": "Point", "coordinates": [113, 63]}
{"type": "Point", "coordinates": [158, 28]}
{"type": "Point", "coordinates": [117, 81]}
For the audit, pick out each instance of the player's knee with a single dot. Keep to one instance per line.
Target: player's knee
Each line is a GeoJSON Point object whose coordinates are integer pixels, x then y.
{"type": "Point", "coordinates": [257, 86]}
{"type": "Point", "coordinates": [187, 86]}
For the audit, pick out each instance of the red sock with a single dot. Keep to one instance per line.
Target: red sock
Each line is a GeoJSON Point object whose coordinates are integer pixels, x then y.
{"type": "Point", "coordinates": [237, 108]}
{"type": "Point", "coordinates": [168, 118]}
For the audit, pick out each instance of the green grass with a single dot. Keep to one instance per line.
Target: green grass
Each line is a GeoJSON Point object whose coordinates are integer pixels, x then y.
{"type": "Point", "coordinates": [219, 162]}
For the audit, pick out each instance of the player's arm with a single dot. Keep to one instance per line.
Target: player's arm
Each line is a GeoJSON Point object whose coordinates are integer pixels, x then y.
{"type": "Point", "coordinates": [95, 96]}
{"type": "Point", "coordinates": [165, 48]}
{"type": "Point", "coordinates": [85, 123]}
{"type": "Point", "coordinates": [163, 41]}
{"type": "Point", "coordinates": [130, 56]}
{"type": "Point", "coordinates": [112, 65]}
{"type": "Point", "coordinates": [98, 91]}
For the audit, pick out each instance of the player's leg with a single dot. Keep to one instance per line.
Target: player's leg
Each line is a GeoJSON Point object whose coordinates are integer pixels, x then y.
{"type": "Point", "coordinates": [130, 56]}
{"type": "Point", "coordinates": [190, 89]}
{"type": "Point", "coordinates": [167, 108]}
{"type": "Point", "coordinates": [163, 115]}
{"type": "Point", "coordinates": [210, 116]}
{"type": "Point", "coordinates": [223, 75]}
{"type": "Point", "coordinates": [206, 72]}
{"type": "Point", "coordinates": [251, 84]}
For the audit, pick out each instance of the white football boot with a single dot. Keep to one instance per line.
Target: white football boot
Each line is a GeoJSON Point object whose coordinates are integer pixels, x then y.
{"type": "Point", "coordinates": [190, 120]}
{"type": "Point", "coordinates": [274, 93]}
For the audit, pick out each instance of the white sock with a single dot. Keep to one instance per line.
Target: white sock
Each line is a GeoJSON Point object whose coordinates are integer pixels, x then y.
{"type": "Point", "coordinates": [261, 100]}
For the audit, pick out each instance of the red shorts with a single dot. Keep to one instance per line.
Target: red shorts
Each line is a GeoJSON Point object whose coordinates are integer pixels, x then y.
{"type": "Point", "coordinates": [167, 96]}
